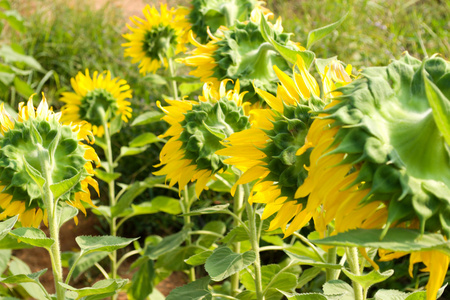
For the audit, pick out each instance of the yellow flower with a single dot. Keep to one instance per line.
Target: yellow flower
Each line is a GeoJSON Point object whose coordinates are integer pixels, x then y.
{"type": "Point", "coordinates": [92, 95]}
{"type": "Point", "coordinates": [436, 263]}
{"type": "Point", "coordinates": [266, 152]}
{"type": "Point", "coordinates": [159, 35]}
{"type": "Point", "coordinates": [20, 145]}
{"type": "Point", "coordinates": [240, 52]}
{"type": "Point", "coordinates": [196, 130]}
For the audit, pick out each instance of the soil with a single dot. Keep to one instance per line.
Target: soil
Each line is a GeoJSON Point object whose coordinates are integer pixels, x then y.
{"type": "Point", "coordinates": [38, 258]}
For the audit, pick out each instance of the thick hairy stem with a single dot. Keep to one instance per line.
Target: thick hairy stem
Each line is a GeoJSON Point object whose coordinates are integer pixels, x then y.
{"type": "Point", "coordinates": [187, 222]}
{"type": "Point", "coordinates": [353, 262]}
{"type": "Point", "coordinates": [237, 205]}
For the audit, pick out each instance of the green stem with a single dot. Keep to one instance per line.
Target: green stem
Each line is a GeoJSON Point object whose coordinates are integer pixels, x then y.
{"type": "Point", "coordinates": [53, 224]}
{"type": "Point", "coordinates": [237, 205]}
{"type": "Point", "coordinates": [353, 262]}
{"type": "Point", "coordinates": [173, 83]}
{"type": "Point", "coordinates": [311, 245]}
{"type": "Point", "coordinates": [254, 240]}
{"type": "Point", "coordinates": [331, 274]}
{"type": "Point", "coordinates": [111, 193]}
{"type": "Point", "coordinates": [73, 268]}
{"type": "Point", "coordinates": [187, 222]}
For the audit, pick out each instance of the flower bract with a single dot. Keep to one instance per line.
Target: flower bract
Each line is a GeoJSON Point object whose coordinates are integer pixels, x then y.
{"type": "Point", "coordinates": [156, 37]}
{"type": "Point", "coordinates": [23, 142]}
{"type": "Point", "coordinates": [196, 130]}
{"type": "Point", "coordinates": [240, 53]}
{"type": "Point", "coordinates": [216, 13]}
{"type": "Point", "coordinates": [93, 97]}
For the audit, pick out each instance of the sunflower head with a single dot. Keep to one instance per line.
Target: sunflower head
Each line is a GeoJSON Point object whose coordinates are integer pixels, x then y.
{"type": "Point", "coordinates": [240, 53]}
{"type": "Point", "coordinates": [387, 131]}
{"type": "Point", "coordinates": [38, 134]}
{"type": "Point", "coordinates": [268, 152]}
{"type": "Point", "coordinates": [213, 14]}
{"type": "Point", "coordinates": [158, 36]}
{"type": "Point", "coordinates": [197, 129]}
{"type": "Point", "coordinates": [96, 97]}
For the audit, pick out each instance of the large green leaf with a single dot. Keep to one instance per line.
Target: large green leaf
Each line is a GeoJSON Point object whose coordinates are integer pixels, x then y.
{"type": "Point", "coordinates": [339, 287]}
{"type": "Point", "coordinates": [367, 280]}
{"type": "Point", "coordinates": [307, 276]}
{"type": "Point", "coordinates": [197, 290]}
{"type": "Point", "coordinates": [5, 256]}
{"type": "Point", "coordinates": [65, 212]}
{"type": "Point", "coordinates": [129, 151]}
{"type": "Point", "coordinates": [18, 267]}
{"type": "Point", "coordinates": [12, 56]}
{"type": "Point", "coordinates": [142, 282]}
{"type": "Point", "coordinates": [89, 244]}
{"type": "Point", "coordinates": [106, 176]}
{"type": "Point", "coordinates": [14, 19]}
{"type": "Point", "coordinates": [396, 239]}
{"type": "Point", "coordinates": [224, 262]}
{"type": "Point", "coordinates": [167, 204]}
{"type": "Point", "coordinates": [319, 33]}
{"type": "Point", "coordinates": [6, 226]}
{"type": "Point", "coordinates": [440, 106]}
{"type": "Point", "coordinates": [305, 260]}
{"type": "Point", "coordinates": [23, 88]}
{"type": "Point", "coordinates": [23, 278]}
{"type": "Point", "coordinates": [10, 242]}
{"type": "Point", "coordinates": [32, 236]}
{"type": "Point", "coordinates": [167, 244]}
{"type": "Point", "coordinates": [289, 54]}
{"type": "Point", "coordinates": [132, 192]}
{"type": "Point", "coordinates": [106, 286]}
{"type": "Point", "coordinates": [144, 139]}
{"type": "Point", "coordinates": [271, 278]}
{"type": "Point", "coordinates": [199, 259]}
{"type": "Point", "coordinates": [147, 118]}
{"type": "Point", "coordinates": [86, 262]}
{"type": "Point", "coordinates": [206, 240]}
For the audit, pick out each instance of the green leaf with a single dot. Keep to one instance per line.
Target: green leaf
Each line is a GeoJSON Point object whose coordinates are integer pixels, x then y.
{"type": "Point", "coordinates": [307, 276]}
{"type": "Point", "coordinates": [144, 139]}
{"type": "Point", "coordinates": [132, 192]}
{"type": "Point", "coordinates": [319, 33]}
{"type": "Point", "coordinates": [289, 54]}
{"type": "Point", "coordinates": [106, 176]}
{"type": "Point", "coordinates": [115, 124]}
{"type": "Point", "coordinates": [9, 242]}
{"type": "Point", "coordinates": [369, 279]}
{"type": "Point", "coordinates": [147, 118]}
{"type": "Point", "coordinates": [197, 290]}
{"type": "Point", "coordinates": [12, 56]}
{"type": "Point", "coordinates": [32, 236]}
{"type": "Point", "coordinates": [339, 287]}
{"type": "Point", "coordinates": [390, 295]}
{"type": "Point", "coordinates": [7, 78]}
{"type": "Point", "coordinates": [106, 286]}
{"type": "Point", "coordinates": [5, 256]}
{"type": "Point", "coordinates": [167, 244]}
{"type": "Point", "coordinates": [187, 88]}
{"type": "Point", "coordinates": [14, 19]}
{"type": "Point", "coordinates": [142, 282]}
{"type": "Point", "coordinates": [305, 296]}
{"type": "Point", "coordinates": [66, 212]}
{"type": "Point", "coordinates": [155, 79]}
{"type": "Point", "coordinates": [304, 260]}
{"type": "Point", "coordinates": [23, 88]}
{"type": "Point", "coordinates": [440, 106]}
{"type": "Point", "coordinates": [217, 209]}
{"type": "Point", "coordinates": [129, 151]}
{"type": "Point", "coordinates": [33, 173]}
{"type": "Point", "coordinates": [64, 186]}
{"type": "Point", "coordinates": [396, 239]}
{"type": "Point", "coordinates": [284, 281]}
{"type": "Point", "coordinates": [18, 267]}
{"type": "Point", "coordinates": [166, 204]}
{"type": "Point", "coordinates": [175, 259]}
{"type": "Point", "coordinates": [23, 278]}
{"type": "Point", "coordinates": [102, 210]}
{"type": "Point", "coordinates": [85, 262]}
{"type": "Point", "coordinates": [224, 262]}
{"type": "Point", "coordinates": [206, 240]}
{"type": "Point", "coordinates": [5, 4]}
{"type": "Point", "coordinates": [89, 244]}
{"type": "Point", "coordinates": [198, 259]}
{"type": "Point", "coordinates": [6, 226]}
{"type": "Point", "coordinates": [237, 234]}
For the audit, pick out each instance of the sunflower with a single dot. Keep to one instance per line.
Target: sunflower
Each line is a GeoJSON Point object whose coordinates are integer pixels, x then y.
{"type": "Point", "coordinates": [266, 152]}
{"type": "Point", "coordinates": [196, 131]}
{"type": "Point", "coordinates": [23, 141]}
{"type": "Point", "coordinates": [95, 96]}
{"type": "Point", "coordinates": [213, 14]}
{"type": "Point", "coordinates": [159, 36]}
{"type": "Point", "coordinates": [379, 158]}
{"type": "Point", "coordinates": [240, 53]}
